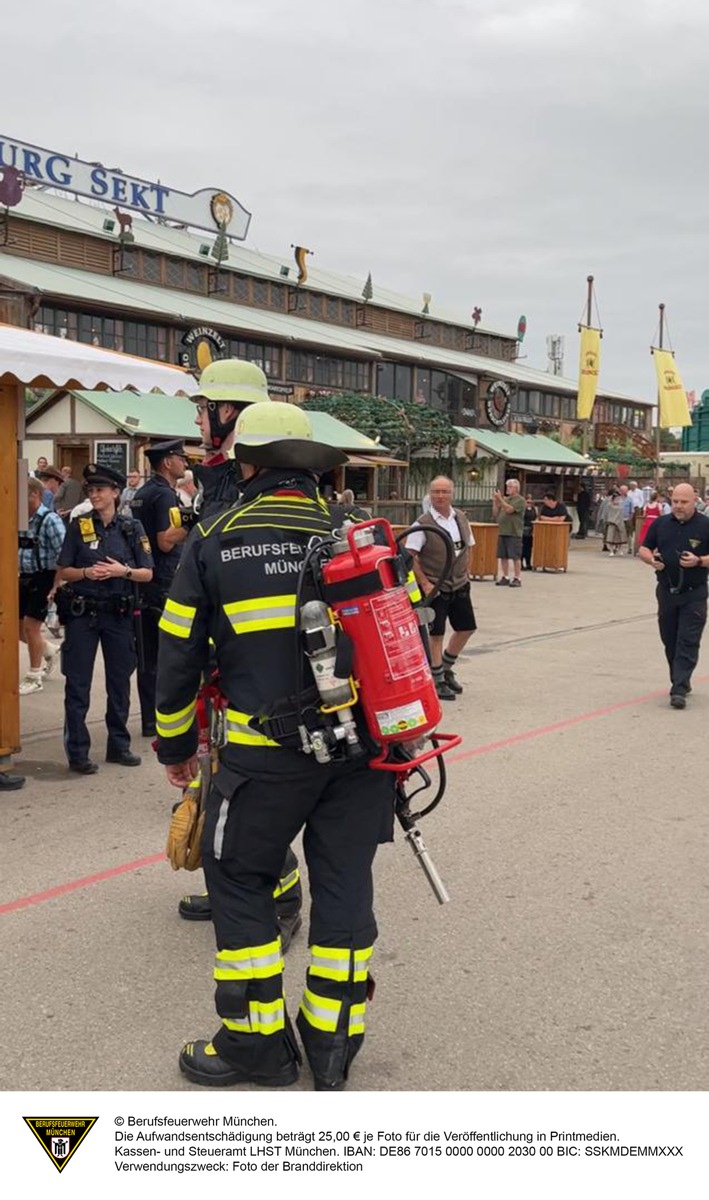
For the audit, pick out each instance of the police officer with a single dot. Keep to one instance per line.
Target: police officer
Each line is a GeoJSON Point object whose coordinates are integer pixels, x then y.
{"type": "Point", "coordinates": [152, 506]}
{"type": "Point", "coordinates": [677, 547]}
{"type": "Point", "coordinates": [237, 583]}
{"type": "Point", "coordinates": [103, 555]}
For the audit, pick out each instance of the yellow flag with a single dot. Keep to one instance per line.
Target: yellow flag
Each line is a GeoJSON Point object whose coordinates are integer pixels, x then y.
{"type": "Point", "coordinates": [588, 372]}
{"type": "Point", "coordinates": [672, 397]}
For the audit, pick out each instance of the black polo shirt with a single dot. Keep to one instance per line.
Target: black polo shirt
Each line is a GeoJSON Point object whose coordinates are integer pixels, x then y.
{"type": "Point", "coordinates": [88, 542]}
{"type": "Point", "coordinates": [555, 510]}
{"type": "Point", "coordinates": [151, 506]}
{"type": "Point", "coordinates": [670, 537]}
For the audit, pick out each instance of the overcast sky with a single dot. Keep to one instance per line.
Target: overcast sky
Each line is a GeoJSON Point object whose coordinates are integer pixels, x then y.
{"type": "Point", "coordinates": [492, 154]}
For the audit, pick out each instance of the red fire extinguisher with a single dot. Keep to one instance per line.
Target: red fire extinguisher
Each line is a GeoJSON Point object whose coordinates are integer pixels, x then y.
{"type": "Point", "coordinates": [364, 588]}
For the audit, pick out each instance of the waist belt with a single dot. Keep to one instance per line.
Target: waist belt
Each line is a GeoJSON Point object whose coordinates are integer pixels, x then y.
{"type": "Point", "coordinates": [279, 725]}
{"type": "Point", "coordinates": [71, 604]}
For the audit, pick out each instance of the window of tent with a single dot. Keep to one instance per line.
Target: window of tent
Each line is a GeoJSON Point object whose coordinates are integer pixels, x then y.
{"type": "Point", "coordinates": [402, 382]}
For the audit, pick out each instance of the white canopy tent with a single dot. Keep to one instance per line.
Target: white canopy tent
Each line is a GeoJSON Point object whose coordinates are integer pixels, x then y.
{"type": "Point", "coordinates": [30, 359]}
{"type": "Point", "coordinates": [38, 360]}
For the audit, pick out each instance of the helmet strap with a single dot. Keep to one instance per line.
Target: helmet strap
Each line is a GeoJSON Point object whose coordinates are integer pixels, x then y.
{"type": "Point", "coordinates": [219, 430]}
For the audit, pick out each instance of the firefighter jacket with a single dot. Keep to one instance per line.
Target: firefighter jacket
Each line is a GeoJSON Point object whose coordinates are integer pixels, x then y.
{"type": "Point", "coordinates": [236, 585]}
{"type": "Point", "coordinates": [220, 485]}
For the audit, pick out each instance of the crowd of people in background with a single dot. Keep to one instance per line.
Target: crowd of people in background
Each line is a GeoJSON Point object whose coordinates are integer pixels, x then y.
{"type": "Point", "coordinates": [623, 517]}
{"type": "Point", "coordinates": [626, 512]}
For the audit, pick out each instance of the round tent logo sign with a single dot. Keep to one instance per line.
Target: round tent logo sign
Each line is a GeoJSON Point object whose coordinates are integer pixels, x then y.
{"type": "Point", "coordinates": [202, 345]}
{"type": "Point", "coordinates": [498, 402]}
{"type": "Point", "coordinates": [222, 209]}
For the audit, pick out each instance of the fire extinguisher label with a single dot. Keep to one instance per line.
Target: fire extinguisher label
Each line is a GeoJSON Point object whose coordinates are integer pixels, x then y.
{"type": "Point", "coordinates": [399, 633]}
{"type": "Point", "coordinates": [396, 720]}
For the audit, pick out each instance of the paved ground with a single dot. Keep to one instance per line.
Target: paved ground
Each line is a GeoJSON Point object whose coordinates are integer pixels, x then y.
{"type": "Point", "coordinates": [573, 840]}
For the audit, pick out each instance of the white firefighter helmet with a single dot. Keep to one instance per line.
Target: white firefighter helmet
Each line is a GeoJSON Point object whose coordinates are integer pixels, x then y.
{"type": "Point", "coordinates": [281, 435]}
{"type": "Point", "coordinates": [229, 381]}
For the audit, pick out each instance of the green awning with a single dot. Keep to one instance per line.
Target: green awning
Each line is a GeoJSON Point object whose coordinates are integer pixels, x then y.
{"type": "Point", "coordinates": [524, 449]}
{"type": "Point", "coordinates": [152, 415]}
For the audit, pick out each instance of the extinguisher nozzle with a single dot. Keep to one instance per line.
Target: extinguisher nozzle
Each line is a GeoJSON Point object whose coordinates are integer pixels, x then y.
{"type": "Point", "coordinates": [413, 837]}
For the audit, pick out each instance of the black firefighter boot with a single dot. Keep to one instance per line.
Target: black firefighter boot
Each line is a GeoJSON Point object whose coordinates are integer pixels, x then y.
{"type": "Point", "coordinates": [329, 1054]}
{"type": "Point", "coordinates": [202, 1062]}
{"type": "Point", "coordinates": [198, 907]}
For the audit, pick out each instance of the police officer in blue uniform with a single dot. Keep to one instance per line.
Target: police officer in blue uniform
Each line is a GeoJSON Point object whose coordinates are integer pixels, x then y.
{"type": "Point", "coordinates": [676, 546]}
{"type": "Point", "coordinates": [103, 556]}
{"type": "Point", "coordinates": [152, 505]}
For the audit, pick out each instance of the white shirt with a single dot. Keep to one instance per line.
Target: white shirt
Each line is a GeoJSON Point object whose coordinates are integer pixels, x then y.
{"type": "Point", "coordinates": [638, 497]}
{"type": "Point", "coordinates": [80, 509]}
{"type": "Point", "coordinates": [415, 541]}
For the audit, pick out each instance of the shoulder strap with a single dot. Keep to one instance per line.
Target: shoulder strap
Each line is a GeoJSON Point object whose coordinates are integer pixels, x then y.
{"type": "Point", "coordinates": [37, 558]}
{"type": "Point", "coordinates": [129, 528]}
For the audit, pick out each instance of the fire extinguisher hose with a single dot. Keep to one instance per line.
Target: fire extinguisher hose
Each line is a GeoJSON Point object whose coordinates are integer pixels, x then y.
{"type": "Point", "coordinates": [448, 545]}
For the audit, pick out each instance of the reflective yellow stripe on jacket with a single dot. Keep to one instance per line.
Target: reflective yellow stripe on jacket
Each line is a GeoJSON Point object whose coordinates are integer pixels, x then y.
{"type": "Point", "coordinates": [265, 612]}
{"type": "Point", "coordinates": [173, 724]}
{"type": "Point", "coordinates": [238, 730]}
{"type": "Point", "coordinates": [177, 619]}
{"type": "Point", "coordinates": [412, 588]}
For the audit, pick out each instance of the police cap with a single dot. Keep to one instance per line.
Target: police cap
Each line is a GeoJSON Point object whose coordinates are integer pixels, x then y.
{"type": "Point", "coordinates": [161, 450]}
{"type": "Point", "coordinates": [101, 476]}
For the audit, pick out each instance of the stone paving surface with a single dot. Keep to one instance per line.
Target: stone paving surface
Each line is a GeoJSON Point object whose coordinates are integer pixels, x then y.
{"type": "Point", "coordinates": [573, 839]}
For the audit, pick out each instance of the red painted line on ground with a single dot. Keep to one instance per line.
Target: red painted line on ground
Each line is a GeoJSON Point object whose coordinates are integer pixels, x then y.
{"type": "Point", "coordinates": [488, 748]}
{"type": "Point", "coordinates": [566, 723]}
{"type": "Point", "coordinates": [75, 884]}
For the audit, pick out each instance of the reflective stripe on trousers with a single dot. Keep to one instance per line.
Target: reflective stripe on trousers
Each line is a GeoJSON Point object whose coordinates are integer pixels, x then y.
{"type": "Point", "coordinates": [253, 962]}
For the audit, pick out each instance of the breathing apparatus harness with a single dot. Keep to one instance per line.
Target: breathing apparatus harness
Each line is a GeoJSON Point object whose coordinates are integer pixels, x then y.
{"type": "Point", "coordinates": [369, 654]}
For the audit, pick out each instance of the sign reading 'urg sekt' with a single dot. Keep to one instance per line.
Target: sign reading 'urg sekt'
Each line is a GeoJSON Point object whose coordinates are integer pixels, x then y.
{"type": "Point", "coordinates": [208, 209]}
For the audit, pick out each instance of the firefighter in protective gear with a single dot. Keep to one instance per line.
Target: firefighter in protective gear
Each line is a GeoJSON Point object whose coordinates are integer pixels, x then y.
{"type": "Point", "coordinates": [237, 583]}
{"type": "Point", "coordinates": [227, 386]}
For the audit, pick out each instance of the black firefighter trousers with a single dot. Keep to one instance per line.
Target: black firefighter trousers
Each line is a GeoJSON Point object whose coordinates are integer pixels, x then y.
{"type": "Point", "coordinates": [681, 620]}
{"type": "Point", "coordinates": [345, 811]}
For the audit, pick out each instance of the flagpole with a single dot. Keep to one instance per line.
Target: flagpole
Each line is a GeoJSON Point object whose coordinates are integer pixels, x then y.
{"type": "Point", "coordinates": [657, 429]}
{"type": "Point", "coordinates": [586, 432]}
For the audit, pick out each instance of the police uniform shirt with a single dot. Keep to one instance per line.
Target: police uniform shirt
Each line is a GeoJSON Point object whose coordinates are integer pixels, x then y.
{"type": "Point", "coordinates": [88, 541]}
{"type": "Point", "coordinates": [151, 505]}
{"type": "Point", "coordinates": [670, 537]}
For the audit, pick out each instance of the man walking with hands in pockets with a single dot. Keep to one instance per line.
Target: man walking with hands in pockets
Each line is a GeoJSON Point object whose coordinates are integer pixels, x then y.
{"type": "Point", "coordinates": [453, 600]}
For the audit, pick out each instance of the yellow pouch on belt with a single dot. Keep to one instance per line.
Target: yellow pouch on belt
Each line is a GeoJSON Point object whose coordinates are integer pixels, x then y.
{"type": "Point", "coordinates": [184, 839]}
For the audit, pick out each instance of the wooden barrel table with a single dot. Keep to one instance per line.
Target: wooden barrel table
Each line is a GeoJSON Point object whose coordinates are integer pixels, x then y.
{"type": "Point", "coordinates": [550, 548]}
{"type": "Point", "coordinates": [483, 555]}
